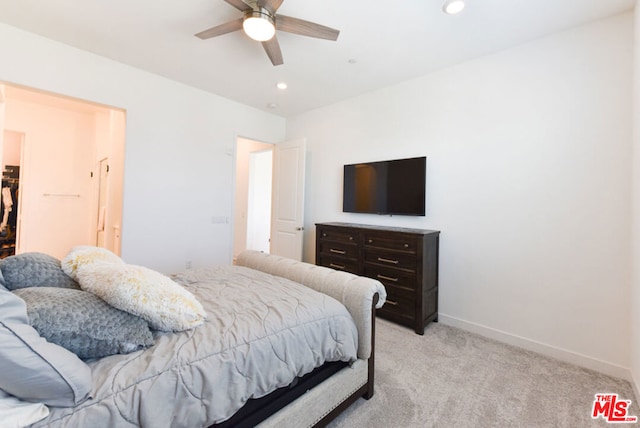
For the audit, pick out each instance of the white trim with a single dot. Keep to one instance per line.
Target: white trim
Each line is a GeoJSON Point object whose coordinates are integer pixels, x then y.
{"type": "Point", "coordinates": [542, 348]}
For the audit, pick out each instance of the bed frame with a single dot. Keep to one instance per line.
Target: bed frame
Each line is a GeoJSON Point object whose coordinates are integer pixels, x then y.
{"type": "Point", "coordinates": [282, 407]}
{"type": "Point", "coordinates": [312, 400]}
{"type": "Point", "coordinates": [365, 391]}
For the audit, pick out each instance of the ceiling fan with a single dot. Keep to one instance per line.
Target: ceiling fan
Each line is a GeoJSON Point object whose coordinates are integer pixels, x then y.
{"type": "Point", "coordinates": [260, 22]}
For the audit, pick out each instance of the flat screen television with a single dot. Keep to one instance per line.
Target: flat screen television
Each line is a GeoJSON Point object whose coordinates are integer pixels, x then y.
{"type": "Point", "coordinates": [386, 187]}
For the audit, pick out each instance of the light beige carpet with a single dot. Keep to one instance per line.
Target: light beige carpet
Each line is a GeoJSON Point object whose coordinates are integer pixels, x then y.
{"type": "Point", "coordinates": [452, 378]}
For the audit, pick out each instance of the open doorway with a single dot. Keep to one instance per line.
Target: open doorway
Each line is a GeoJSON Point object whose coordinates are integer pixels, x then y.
{"type": "Point", "coordinates": [278, 195]}
{"type": "Point", "coordinates": [252, 214]}
{"type": "Point", "coordinates": [65, 197]}
{"type": "Point", "coordinates": [259, 200]}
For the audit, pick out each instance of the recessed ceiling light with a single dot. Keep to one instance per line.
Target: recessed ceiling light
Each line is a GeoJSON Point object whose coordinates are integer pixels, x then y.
{"type": "Point", "coordinates": [281, 85]}
{"type": "Point", "coordinates": [272, 105]}
{"type": "Point", "coordinates": [452, 7]}
{"type": "Point", "coordinates": [352, 61]}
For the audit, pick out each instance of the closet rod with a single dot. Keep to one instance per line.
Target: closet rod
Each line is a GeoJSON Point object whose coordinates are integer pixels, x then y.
{"type": "Point", "coordinates": [62, 195]}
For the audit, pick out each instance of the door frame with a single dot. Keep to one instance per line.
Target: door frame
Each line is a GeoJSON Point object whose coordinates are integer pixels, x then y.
{"type": "Point", "coordinates": [238, 241]}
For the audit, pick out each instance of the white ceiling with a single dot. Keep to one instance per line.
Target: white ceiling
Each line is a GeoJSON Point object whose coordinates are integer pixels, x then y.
{"type": "Point", "coordinates": [390, 41]}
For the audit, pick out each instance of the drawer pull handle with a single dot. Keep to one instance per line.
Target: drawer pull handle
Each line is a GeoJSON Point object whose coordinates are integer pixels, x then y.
{"type": "Point", "coordinates": [392, 303]}
{"type": "Point", "coordinates": [351, 238]}
{"type": "Point", "coordinates": [335, 266]}
{"type": "Point", "coordinates": [393, 262]}
{"type": "Point", "coordinates": [324, 235]}
{"type": "Point", "coordinates": [370, 241]}
{"type": "Point", "coordinates": [333, 250]}
{"type": "Point", "coordinates": [406, 245]}
{"type": "Point", "coordinates": [388, 278]}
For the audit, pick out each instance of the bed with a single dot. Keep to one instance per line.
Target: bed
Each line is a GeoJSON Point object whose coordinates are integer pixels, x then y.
{"type": "Point", "coordinates": [312, 326]}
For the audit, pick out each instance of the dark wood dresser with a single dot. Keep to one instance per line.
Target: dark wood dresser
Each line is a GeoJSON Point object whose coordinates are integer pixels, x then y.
{"type": "Point", "coordinates": [404, 260]}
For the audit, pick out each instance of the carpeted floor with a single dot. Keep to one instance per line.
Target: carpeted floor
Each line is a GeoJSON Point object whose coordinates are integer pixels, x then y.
{"type": "Point", "coordinates": [452, 378]}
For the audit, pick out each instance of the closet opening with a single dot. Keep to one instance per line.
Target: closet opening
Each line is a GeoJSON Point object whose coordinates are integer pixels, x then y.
{"type": "Point", "coordinates": [71, 170]}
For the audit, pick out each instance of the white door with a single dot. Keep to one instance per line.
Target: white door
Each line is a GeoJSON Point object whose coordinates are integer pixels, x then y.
{"type": "Point", "coordinates": [288, 199]}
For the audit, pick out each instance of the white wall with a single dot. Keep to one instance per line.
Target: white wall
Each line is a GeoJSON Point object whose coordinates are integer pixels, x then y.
{"type": "Point", "coordinates": [528, 179]}
{"type": "Point", "coordinates": [635, 200]}
{"type": "Point", "coordinates": [179, 147]}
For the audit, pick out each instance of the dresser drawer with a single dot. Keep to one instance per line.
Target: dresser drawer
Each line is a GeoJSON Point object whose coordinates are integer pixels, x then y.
{"type": "Point", "coordinates": [336, 263]}
{"type": "Point", "coordinates": [339, 249]}
{"type": "Point", "coordinates": [399, 304]}
{"type": "Point", "coordinates": [392, 277]}
{"type": "Point", "coordinates": [330, 234]}
{"type": "Point", "coordinates": [391, 259]}
{"type": "Point", "coordinates": [399, 243]}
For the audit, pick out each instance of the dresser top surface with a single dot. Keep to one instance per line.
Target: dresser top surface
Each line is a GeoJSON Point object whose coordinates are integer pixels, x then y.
{"type": "Point", "coordinates": [380, 228]}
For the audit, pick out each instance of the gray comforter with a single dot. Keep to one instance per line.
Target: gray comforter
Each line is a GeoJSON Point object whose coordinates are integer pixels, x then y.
{"type": "Point", "coordinates": [262, 332]}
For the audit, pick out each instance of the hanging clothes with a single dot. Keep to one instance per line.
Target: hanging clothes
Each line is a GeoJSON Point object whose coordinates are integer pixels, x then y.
{"type": "Point", "coordinates": [7, 202]}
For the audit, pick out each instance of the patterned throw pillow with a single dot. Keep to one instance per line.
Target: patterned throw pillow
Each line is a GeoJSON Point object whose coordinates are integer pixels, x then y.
{"type": "Point", "coordinates": [34, 270]}
{"type": "Point", "coordinates": [83, 323]}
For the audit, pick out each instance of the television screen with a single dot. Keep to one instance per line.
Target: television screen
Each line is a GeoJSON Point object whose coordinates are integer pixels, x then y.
{"type": "Point", "coordinates": [387, 187]}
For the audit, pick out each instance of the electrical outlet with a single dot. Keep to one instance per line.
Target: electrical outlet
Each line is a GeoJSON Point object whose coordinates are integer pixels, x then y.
{"type": "Point", "coordinates": [220, 220]}
{"type": "Point", "coordinates": [188, 264]}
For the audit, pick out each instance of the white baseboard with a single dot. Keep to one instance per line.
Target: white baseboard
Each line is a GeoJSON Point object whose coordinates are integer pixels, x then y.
{"type": "Point", "coordinates": [544, 349]}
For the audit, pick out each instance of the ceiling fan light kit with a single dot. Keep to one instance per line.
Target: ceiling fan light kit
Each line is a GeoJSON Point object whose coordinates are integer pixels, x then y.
{"type": "Point", "coordinates": [259, 25]}
{"type": "Point", "coordinates": [451, 7]}
{"type": "Point", "coordinates": [260, 22]}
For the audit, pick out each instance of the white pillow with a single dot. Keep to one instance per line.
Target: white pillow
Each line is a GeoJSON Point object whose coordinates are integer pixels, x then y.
{"type": "Point", "coordinates": [84, 255]}
{"type": "Point", "coordinates": [164, 304]}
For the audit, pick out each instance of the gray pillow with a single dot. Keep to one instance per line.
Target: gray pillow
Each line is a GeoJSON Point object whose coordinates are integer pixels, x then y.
{"type": "Point", "coordinates": [34, 270]}
{"type": "Point", "coordinates": [33, 369]}
{"type": "Point", "coordinates": [83, 323]}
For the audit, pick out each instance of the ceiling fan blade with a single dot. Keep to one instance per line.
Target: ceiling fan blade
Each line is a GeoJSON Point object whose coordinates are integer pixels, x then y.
{"type": "Point", "coordinates": [305, 28]}
{"type": "Point", "coordinates": [239, 4]}
{"type": "Point", "coordinates": [272, 48]}
{"type": "Point", "coordinates": [270, 5]}
{"type": "Point", "coordinates": [219, 30]}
